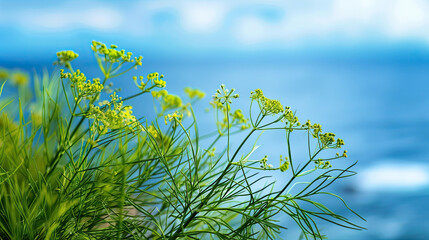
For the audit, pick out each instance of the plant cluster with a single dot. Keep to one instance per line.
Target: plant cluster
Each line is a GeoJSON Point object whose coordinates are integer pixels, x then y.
{"type": "Point", "coordinates": [76, 163]}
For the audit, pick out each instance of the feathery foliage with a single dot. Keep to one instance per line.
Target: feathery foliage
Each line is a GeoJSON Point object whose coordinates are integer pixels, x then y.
{"type": "Point", "coordinates": [75, 163]}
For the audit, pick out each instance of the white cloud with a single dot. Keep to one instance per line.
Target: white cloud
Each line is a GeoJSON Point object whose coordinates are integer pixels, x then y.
{"type": "Point", "coordinates": [135, 18]}
{"type": "Point", "coordinates": [60, 19]}
{"type": "Point", "coordinates": [353, 20]}
{"type": "Point", "coordinates": [302, 22]}
{"type": "Point", "coordinates": [202, 17]}
{"type": "Point", "coordinates": [409, 18]}
{"type": "Point", "coordinates": [253, 30]}
{"type": "Point", "coordinates": [394, 177]}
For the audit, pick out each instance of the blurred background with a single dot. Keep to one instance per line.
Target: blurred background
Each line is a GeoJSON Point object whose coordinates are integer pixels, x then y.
{"type": "Point", "coordinates": [360, 68]}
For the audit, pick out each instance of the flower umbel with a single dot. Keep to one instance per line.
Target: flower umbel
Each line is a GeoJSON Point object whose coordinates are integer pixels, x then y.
{"type": "Point", "coordinates": [194, 93]}
{"type": "Point", "coordinates": [176, 117]}
{"type": "Point", "coordinates": [83, 87]}
{"type": "Point", "coordinates": [19, 78]}
{"type": "Point", "coordinates": [113, 55]}
{"type": "Point", "coordinates": [267, 106]}
{"type": "Point", "coordinates": [66, 56]}
{"type": "Point", "coordinates": [224, 95]}
{"type": "Point", "coordinates": [167, 101]}
{"type": "Point", "coordinates": [112, 116]}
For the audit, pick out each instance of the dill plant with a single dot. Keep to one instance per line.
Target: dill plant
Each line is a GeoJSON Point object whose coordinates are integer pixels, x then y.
{"type": "Point", "coordinates": [76, 163]}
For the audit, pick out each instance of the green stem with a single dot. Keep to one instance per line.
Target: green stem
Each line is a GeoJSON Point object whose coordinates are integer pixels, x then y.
{"type": "Point", "coordinates": [213, 187]}
{"type": "Point", "coordinates": [277, 196]}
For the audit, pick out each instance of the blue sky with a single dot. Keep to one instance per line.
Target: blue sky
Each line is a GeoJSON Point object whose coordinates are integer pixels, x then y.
{"type": "Point", "coordinates": [382, 28]}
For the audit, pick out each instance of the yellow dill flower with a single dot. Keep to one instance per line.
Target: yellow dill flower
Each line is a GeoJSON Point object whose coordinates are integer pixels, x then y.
{"type": "Point", "coordinates": [112, 116]}
{"type": "Point", "coordinates": [171, 101]}
{"type": "Point", "coordinates": [290, 117]}
{"type": "Point", "coordinates": [113, 55]}
{"type": "Point", "coordinates": [88, 89]}
{"type": "Point", "coordinates": [4, 74]}
{"type": "Point", "coordinates": [126, 114]}
{"type": "Point", "coordinates": [185, 109]}
{"type": "Point", "coordinates": [238, 115]}
{"type": "Point", "coordinates": [167, 101]}
{"type": "Point", "coordinates": [152, 131]}
{"type": "Point", "coordinates": [327, 138]}
{"type": "Point", "coordinates": [340, 142]}
{"type": "Point", "coordinates": [267, 106]}
{"type": "Point", "coordinates": [257, 94]}
{"type": "Point", "coordinates": [284, 165]}
{"type": "Point", "coordinates": [141, 85]}
{"type": "Point", "coordinates": [326, 165]}
{"type": "Point", "coordinates": [245, 126]}
{"type": "Point", "coordinates": [19, 78]}
{"type": "Point", "coordinates": [263, 162]}
{"type": "Point", "coordinates": [162, 140]}
{"type": "Point", "coordinates": [159, 94]}
{"type": "Point", "coordinates": [194, 93]}
{"type": "Point", "coordinates": [211, 152]}
{"type": "Point", "coordinates": [66, 56]}
{"type": "Point", "coordinates": [138, 60]}
{"type": "Point", "coordinates": [224, 95]}
{"type": "Point", "coordinates": [238, 118]}
{"type": "Point", "coordinates": [160, 83]}
{"type": "Point", "coordinates": [271, 106]}
{"type": "Point", "coordinates": [318, 163]}
{"type": "Point", "coordinates": [36, 118]}
{"type": "Point", "coordinates": [307, 124]}
{"type": "Point", "coordinates": [317, 128]}
{"type": "Point", "coordinates": [102, 103]}
{"type": "Point", "coordinates": [222, 102]}
{"type": "Point", "coordinates": [217, 104]}
{"type": "Point", "coordinates": [176, 116]}
{"type": "Point", "coordinates": [84, 87]}
{"type": "Point", "coordinates": [156, 79]}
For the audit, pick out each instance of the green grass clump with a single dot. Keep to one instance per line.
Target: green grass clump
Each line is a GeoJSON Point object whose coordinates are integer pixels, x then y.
{"type": "Point", "coordinates": [76, 163]}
